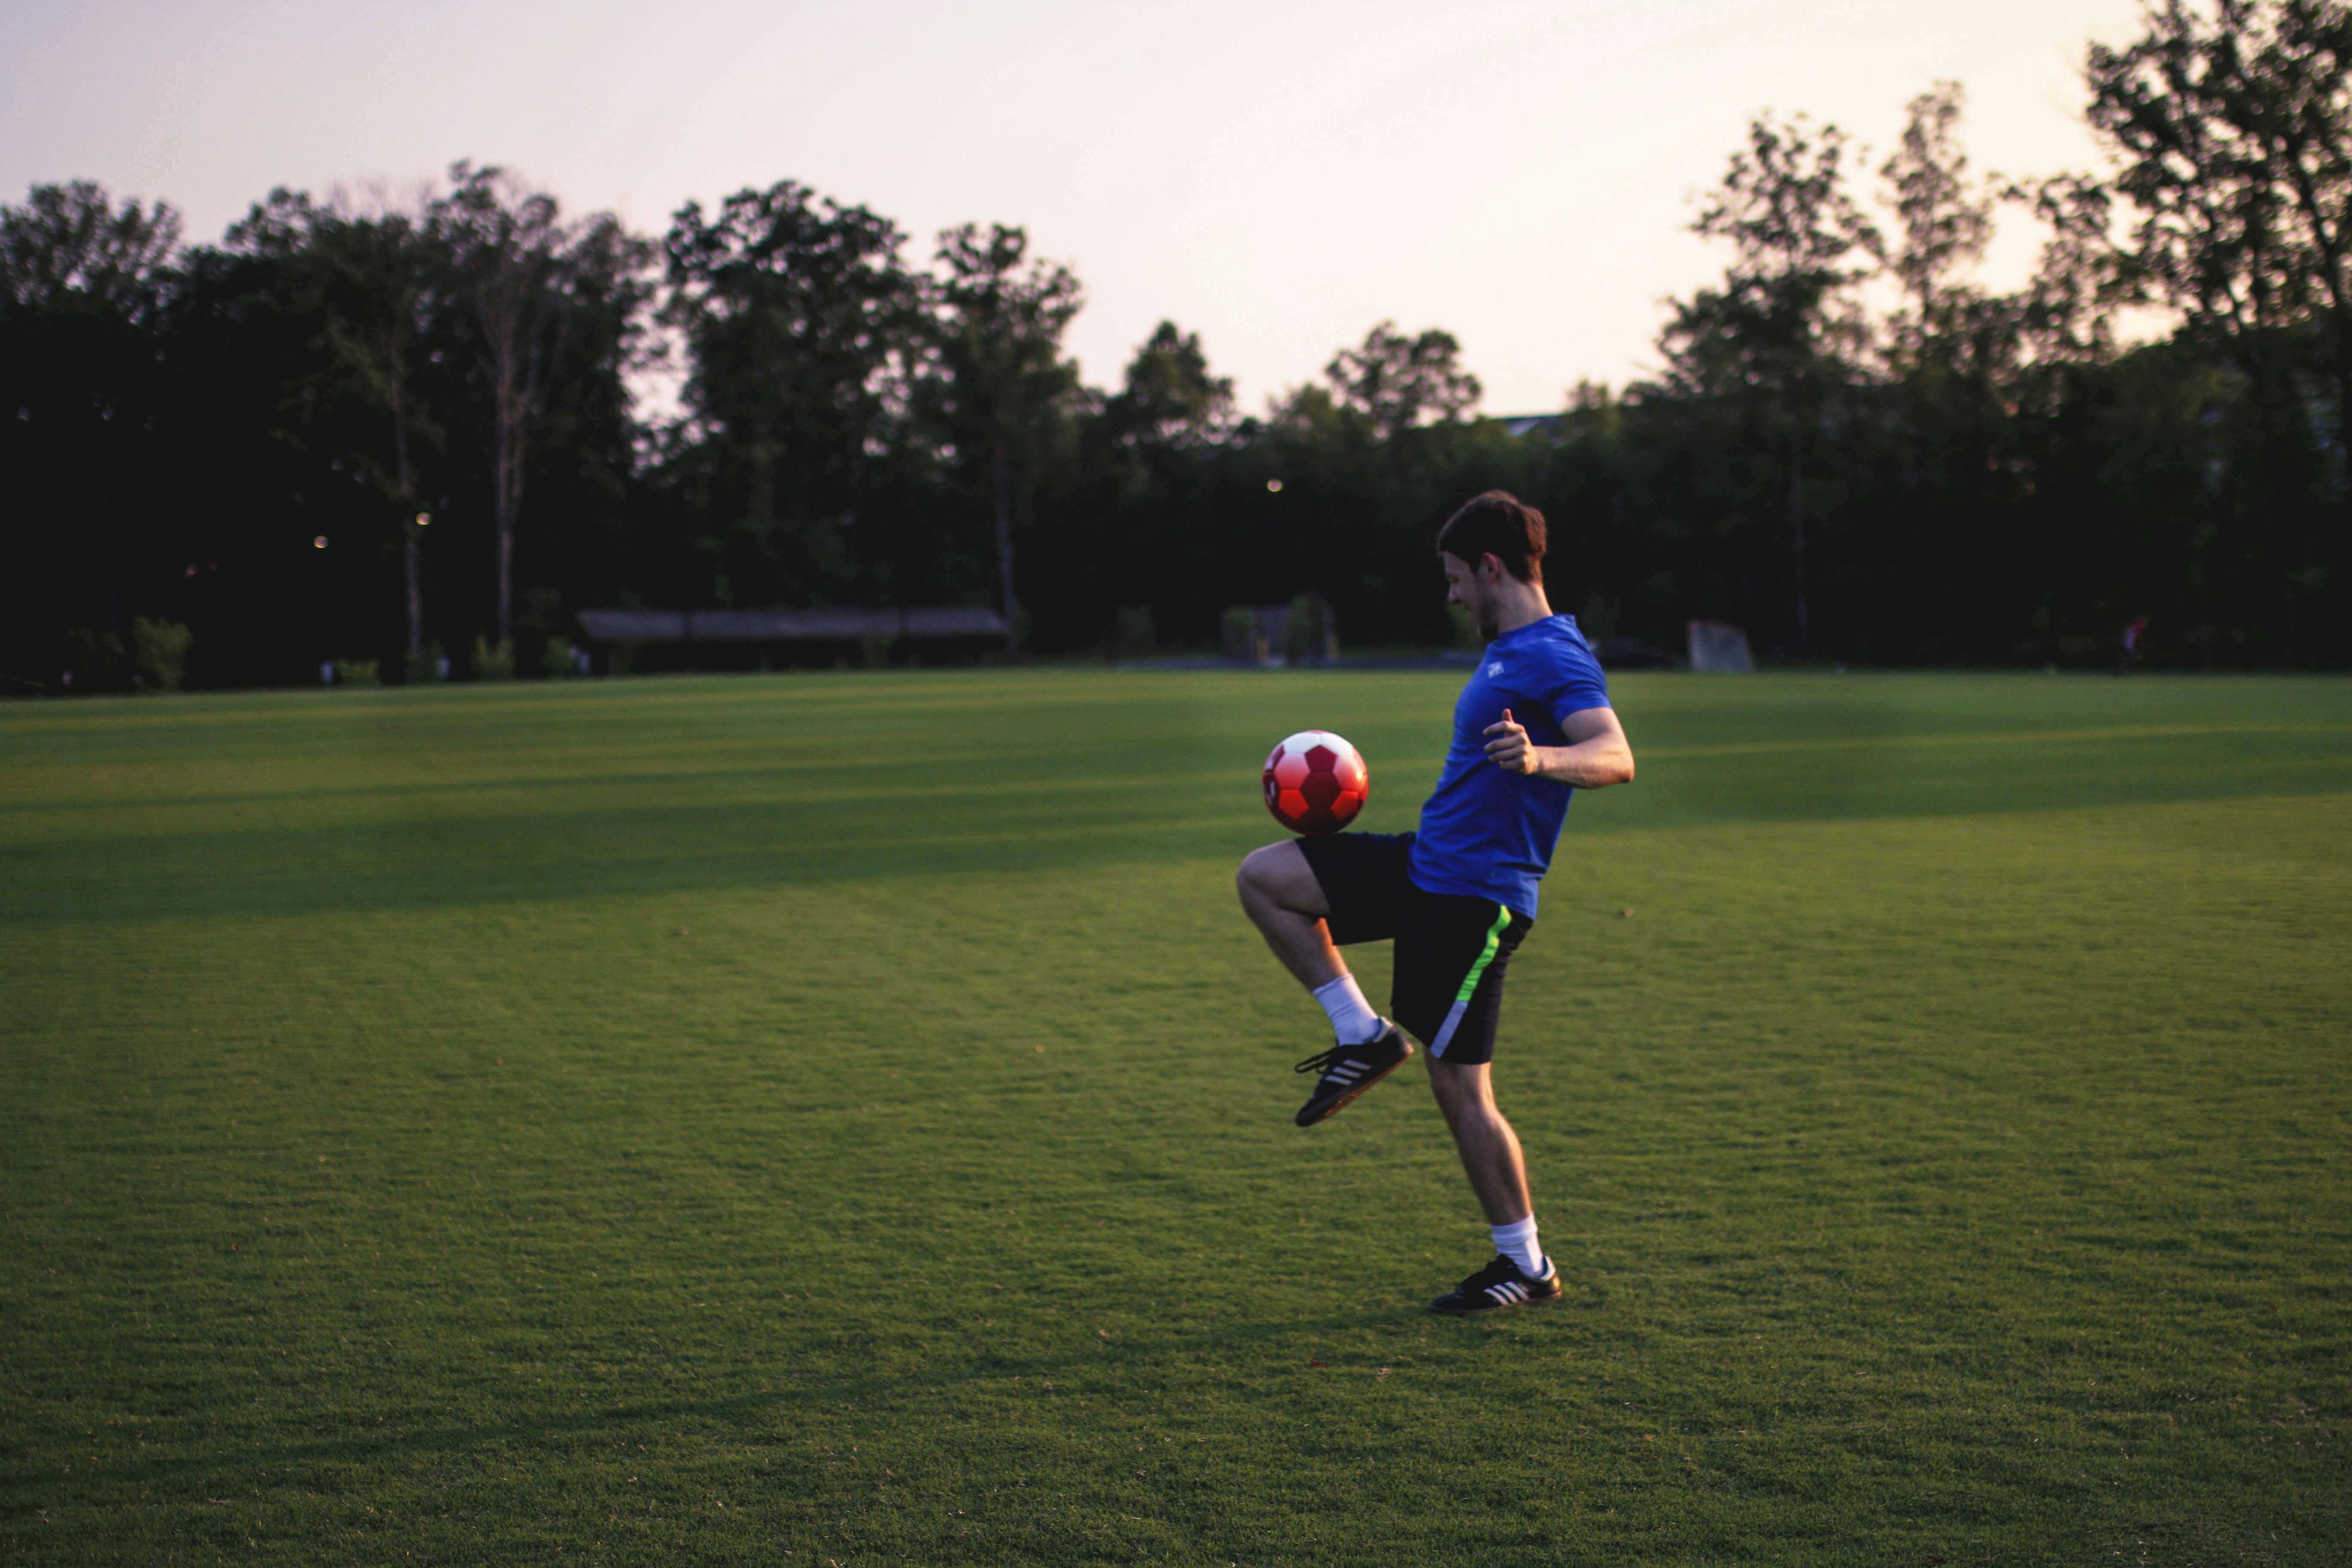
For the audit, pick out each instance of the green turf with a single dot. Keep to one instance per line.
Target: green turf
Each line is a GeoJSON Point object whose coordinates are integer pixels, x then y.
{"type": "Point", "coordinates": [845, 1120]}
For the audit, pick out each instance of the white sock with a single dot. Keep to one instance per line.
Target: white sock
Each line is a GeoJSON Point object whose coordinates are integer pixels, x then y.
{"type": "Point", "coordinates": [1352, 1018]}
{"type": "Point", "coordinates": [1517, 1241]}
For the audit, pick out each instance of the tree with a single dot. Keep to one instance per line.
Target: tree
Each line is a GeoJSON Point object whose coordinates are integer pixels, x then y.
{"type": "Point", "coordinates": [2235, 118]}
{"type": "Point", "coordinates": [1124, 545]}
{"type": "Point", "coordinates": [382, 271]}
{"type": "Point", "coordinates": [1169, 398]}
{"type": "Point", "coordinates": [791, 314]}
{"type": "Point", "coordinates": [1778, 327]}
{"type": "Point", "coordinates": [1398, 383]}
{"type": "Point", "coordinates": [2066, 314]}
{"type": "Point", "coordinates": [371, 283]}
{"type": "Point", "coordinates": [534, 285]}
{"type": "Point", "coordinates": [83, 286]}
{"type": "Point", "coordinates": [1944, 224]}
{"type": "Point", "coordinates": [507, 248]}
{"type": "Point", "coordinates": [70, 240]}
{"type": "Point", "coordinates": [1000, 382]}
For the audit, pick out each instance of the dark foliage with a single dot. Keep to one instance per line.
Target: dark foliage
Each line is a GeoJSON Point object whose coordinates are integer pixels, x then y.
{"type": "Point", "coordinates": [1921, 474]}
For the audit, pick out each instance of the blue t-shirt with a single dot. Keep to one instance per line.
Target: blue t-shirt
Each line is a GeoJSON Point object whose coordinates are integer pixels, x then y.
{"type": "Point", "coordinates": [1486, 833]}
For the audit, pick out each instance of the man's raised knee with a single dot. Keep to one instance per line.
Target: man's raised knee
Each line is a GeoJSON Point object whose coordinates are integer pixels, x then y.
{"type": "Point", "coordinates": [1278, 874]}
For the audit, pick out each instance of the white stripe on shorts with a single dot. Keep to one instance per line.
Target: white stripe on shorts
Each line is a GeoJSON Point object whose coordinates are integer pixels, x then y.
{"type": "Point", "coordinates": [1445, 1030]}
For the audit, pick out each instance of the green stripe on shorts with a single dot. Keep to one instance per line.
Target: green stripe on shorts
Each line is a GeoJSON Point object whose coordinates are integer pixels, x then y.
{"type": "Point", "coordinates": [1494, 944]}
{"type": "Point", "coordinates": [1470, 982]}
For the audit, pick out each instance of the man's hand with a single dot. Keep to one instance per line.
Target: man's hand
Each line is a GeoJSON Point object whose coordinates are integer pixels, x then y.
{"type": "Point", "coordinates": [1507, 748]}
{"type": "Point", "coordinates": [1595, 757]}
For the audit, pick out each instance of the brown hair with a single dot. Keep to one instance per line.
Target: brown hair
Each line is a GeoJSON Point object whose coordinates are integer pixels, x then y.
{"type": "Point", "coordinates": [1500, 524]}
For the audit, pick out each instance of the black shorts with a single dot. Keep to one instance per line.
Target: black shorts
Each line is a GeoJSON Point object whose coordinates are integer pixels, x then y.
{"type": "Point", "coordinates": [1451, 950]}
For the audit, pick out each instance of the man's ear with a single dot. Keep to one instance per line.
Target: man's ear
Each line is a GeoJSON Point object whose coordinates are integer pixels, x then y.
{"type": "Point", "coordinates": [1491, 568]}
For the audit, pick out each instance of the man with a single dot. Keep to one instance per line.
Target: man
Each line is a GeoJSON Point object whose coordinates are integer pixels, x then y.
{"type": "Point", "coordinates": [1533, 726]}
{"type": "Point", "coordinates": [2132, 634]}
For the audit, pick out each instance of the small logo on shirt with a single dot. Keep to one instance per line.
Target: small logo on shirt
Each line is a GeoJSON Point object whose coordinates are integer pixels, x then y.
{"type": "Point", "coordinates": [1494, 670]}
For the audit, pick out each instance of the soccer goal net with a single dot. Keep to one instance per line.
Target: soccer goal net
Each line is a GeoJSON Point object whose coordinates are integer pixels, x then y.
{"type": "Point", "coordinates": [1718, 649]}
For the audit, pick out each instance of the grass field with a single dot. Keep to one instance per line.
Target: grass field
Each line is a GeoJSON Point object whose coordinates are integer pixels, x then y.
{"type": "Point", "coordinates": [844, 1120]}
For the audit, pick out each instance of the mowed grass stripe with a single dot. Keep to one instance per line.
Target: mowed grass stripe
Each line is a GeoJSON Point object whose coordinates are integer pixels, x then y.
{"type": "Point", "coordinates": [883, 775]}
{"type": "Point", "coordinates": [2014, 738]}
{"type": "Point", "coordinates": [1962, 1184]}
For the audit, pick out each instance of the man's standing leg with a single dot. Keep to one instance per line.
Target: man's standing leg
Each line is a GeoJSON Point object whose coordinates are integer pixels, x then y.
{"type": "Point", "coordinates": [1490, 1157]}
{"type": "Point", "coordinates": [1498, 1175]}
{"type": "Point", "coordinates": [1456, 954]}
{"type": "Point", "coordinates": [1489, 1149]}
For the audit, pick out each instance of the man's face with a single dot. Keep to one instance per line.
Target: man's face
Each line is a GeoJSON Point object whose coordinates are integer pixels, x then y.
{"type": "Point", "coordinates": [1472, 589]}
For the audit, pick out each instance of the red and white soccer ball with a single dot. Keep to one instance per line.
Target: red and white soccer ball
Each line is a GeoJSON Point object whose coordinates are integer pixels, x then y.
{"type": "Point", "coordinates": [1315, 783]}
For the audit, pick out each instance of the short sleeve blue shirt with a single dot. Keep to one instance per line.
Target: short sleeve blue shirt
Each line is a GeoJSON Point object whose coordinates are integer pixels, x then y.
{"type": "Point", "coordinates": [1485, 833]}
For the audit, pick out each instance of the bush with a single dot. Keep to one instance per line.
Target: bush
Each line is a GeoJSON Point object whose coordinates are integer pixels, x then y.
{"type": "Point", "coordinates": [96, 660]}
{"type": "Point", "coordinates": [1311, 636]}
{"type": "Point", "coordinates": [1237, 630]}
{"type": "Point", "coordinates": [162, 652]}
{"type": "Point", "coordinates": [427, 663]}
{"type": "Point", "coordinates": [356, 672]}
{"type": "Point", "coordinates": [493, 663]}
{"type": "Point", "coordinates": [1133, 635]}
{"type": "Point", "coordinates": [556, 659]}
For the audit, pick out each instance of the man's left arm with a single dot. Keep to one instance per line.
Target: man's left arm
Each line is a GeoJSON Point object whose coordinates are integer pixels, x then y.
{"type": "Point", "coordinates": [1596, 755]}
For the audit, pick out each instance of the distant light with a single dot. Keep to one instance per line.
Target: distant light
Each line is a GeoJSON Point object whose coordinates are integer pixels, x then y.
{"type": "Point", "coordinates": [1274, 487]}
{"type": "Point", "coordinates": [423, 518]}
{"type": "Point", "coordinates": [320, 543]}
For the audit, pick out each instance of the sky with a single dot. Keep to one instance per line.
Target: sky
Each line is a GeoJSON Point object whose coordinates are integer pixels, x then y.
{"type": "Point", "coordinates": [1277, 176]}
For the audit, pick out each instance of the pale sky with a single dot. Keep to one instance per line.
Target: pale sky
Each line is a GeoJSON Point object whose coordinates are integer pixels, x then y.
{"type": "Point", "coordinates": [1275, 174]}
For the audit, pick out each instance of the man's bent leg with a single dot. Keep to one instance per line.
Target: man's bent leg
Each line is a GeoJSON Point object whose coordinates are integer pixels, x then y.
{"type": "Point", "coordinates": [1489, 1149]}
{"type": "Point", "coordinates": [1284, 901]}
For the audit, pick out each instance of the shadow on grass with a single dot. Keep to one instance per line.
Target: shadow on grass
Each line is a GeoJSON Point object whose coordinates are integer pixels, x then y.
{"type": "Point", "coordinates": [459, 860]}
{"type": "Point", "coordinates": [388, 1443]}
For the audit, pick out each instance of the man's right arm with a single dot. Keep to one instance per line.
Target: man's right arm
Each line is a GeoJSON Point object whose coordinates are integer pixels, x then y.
{"type": "Point", "coordinates": [1596, 756]}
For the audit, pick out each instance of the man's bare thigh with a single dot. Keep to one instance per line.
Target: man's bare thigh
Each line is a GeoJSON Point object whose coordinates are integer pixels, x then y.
{"type": "Point", "coordinates": [1279, 873]}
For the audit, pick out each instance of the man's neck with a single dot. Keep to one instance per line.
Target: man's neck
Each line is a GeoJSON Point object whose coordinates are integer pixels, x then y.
{"type": "Point", "coordinates": [1521, 605]}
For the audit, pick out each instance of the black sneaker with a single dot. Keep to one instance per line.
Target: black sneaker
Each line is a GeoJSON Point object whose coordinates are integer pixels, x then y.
{"type": "Point", "coordinates": [1349, 1070]}
{"type": "Point", "coordinates": [1501, 1283]}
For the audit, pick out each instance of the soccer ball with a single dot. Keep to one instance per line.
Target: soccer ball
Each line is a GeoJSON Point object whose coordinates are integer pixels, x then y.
{"type": "Point", "coordinates": [1315, 783]}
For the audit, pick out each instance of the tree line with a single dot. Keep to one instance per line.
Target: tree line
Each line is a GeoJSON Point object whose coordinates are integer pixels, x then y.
{"type": "Point", "coordinates": [403, 434]}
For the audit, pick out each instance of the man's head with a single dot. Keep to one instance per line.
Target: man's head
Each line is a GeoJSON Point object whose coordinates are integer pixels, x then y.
{"type": "Point", "coordinates": [1496, 538]}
